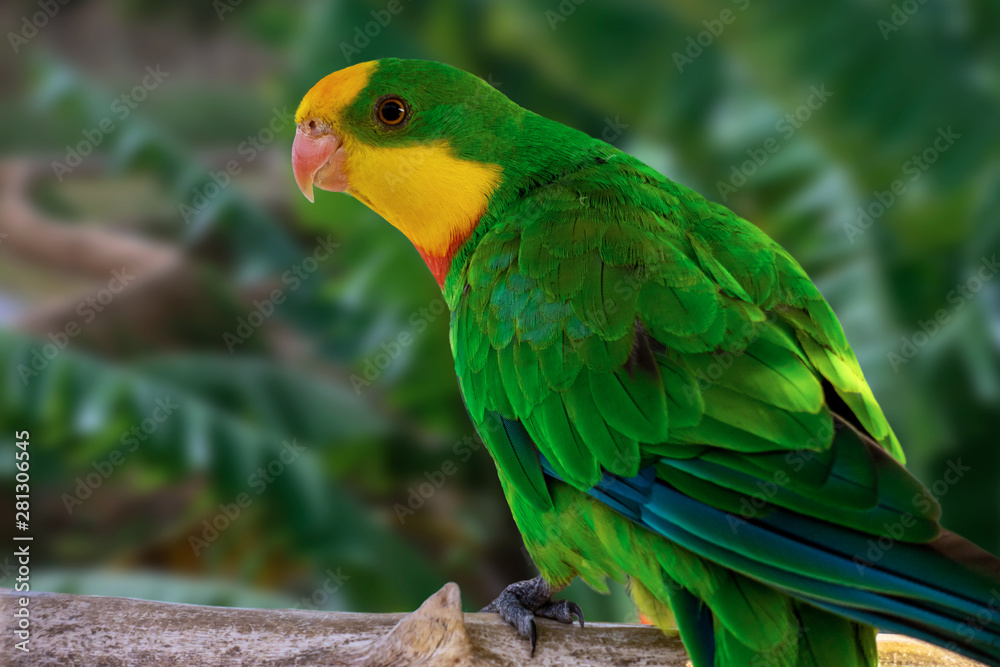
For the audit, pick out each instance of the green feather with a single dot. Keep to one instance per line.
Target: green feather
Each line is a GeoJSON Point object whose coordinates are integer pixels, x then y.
{"type": "Point", "coordinates": [560, 364]}
{"type": "Point", "coordinates": [556, 437]}
{"type": "Point", "coordinates": [634, 405]}
{"type": "Point", "coordinates": [614, 451]}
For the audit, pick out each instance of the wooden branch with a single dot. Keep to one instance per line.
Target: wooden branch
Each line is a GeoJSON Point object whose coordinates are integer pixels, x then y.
{"type": "Point", "coordinates": [106, 631]}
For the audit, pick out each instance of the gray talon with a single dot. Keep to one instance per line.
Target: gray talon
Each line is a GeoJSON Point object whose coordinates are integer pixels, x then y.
{"type": "Point", "coordinates": [521, 602]}
{"type": "Point", "coordinates": [564, 611]}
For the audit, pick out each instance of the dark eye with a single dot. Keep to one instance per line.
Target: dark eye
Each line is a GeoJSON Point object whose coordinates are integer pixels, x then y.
{"type": "Point", "coordinates": [391, 111]}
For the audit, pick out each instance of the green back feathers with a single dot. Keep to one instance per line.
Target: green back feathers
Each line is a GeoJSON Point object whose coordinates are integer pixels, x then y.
{"type": "Point", "coordinates": [620, 316]}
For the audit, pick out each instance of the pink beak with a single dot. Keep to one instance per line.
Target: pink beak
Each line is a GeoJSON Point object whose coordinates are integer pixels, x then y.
{"type": "Point", "coordinates": [318, 159]}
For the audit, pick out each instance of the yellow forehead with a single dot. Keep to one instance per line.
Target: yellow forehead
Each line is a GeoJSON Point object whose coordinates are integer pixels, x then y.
{"type": "Point", "coordinates": [335, 91]}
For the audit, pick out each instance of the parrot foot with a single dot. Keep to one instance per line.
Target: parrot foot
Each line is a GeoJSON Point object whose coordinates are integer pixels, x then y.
{"type": "Point", "coordinates": [521, 602]}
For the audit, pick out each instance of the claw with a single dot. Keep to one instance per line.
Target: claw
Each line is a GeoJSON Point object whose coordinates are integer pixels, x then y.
{"type": "Point", "coordinates": [564, 611]}
{"type": "Point", "coordinates": [519, 604]}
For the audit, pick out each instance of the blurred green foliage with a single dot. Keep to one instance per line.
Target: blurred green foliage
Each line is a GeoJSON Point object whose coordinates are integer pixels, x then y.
{"type": "Point", "coordinates": [698, 90]}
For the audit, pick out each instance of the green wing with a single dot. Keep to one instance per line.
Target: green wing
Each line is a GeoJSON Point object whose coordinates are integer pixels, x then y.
{"type": "Point", "coordinates": [621, 317]}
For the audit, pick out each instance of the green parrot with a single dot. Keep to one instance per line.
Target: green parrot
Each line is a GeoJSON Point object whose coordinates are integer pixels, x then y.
{"type": "Point", "coordinates": [669, 400]}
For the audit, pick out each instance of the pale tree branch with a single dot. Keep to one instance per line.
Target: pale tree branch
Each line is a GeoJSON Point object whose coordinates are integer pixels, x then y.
{"type": "Point", "coordinates": [153, 281]}
{"type": "Point", "coordinates": [114, 632]}
{"type": "Point", "coordinates": [84, 248]}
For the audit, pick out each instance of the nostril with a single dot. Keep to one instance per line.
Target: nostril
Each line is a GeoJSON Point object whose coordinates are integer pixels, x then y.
{"type": "Point", "coordinates": [312, 125]}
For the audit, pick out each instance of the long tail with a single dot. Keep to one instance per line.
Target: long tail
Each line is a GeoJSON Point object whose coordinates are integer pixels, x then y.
{"type": "Point", "coordinates": [955, 602]}
{"type": "Point", "coordinates": [946, 591]}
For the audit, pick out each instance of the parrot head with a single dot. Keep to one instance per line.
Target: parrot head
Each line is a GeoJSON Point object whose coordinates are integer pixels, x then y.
{"type": "Point", "coordinates": [427, 146]}
{"type": "Point", "coordinates": [420, 143]}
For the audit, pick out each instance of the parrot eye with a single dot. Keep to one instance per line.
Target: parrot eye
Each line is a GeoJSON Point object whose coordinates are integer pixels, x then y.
{"type": "Point", "coordinates": [391, 110]}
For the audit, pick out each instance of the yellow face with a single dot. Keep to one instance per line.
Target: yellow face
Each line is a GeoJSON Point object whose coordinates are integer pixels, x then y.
{"type": "Point", "coordinates": [421, 187]}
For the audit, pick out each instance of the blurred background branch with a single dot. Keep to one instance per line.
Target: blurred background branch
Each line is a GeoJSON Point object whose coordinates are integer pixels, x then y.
{"type": "Point", "coordinates": [89, 249]}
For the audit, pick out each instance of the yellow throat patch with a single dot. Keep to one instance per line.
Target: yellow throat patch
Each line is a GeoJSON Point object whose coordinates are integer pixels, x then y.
{"type": "Point", "coordinates": [424, 191]}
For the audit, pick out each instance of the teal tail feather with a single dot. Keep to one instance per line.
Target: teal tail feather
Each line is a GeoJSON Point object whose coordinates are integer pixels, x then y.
{"type": "Point", "coordinates": [946, 591]}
